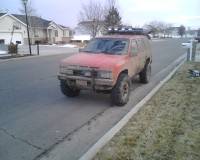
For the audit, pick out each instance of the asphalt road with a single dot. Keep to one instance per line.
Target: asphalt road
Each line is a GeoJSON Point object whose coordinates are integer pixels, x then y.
{"type": "Point", "coordinates": [38, 122]}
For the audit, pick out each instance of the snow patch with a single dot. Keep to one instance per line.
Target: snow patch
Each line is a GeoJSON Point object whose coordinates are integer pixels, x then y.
{"type": "Point", "coordinates": [3, 52]}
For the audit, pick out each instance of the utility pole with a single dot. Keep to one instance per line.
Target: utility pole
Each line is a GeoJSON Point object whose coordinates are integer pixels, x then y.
{"type": "Point", "coordinates": [27, 24]}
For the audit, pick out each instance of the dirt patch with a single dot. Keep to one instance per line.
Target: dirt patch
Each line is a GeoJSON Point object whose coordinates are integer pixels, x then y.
{"type": "Point", "coordinates": [167, 127]}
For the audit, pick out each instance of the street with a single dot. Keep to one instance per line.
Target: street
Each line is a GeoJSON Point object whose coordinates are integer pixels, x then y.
{"type": "Point", "coordinates": [37, 120]}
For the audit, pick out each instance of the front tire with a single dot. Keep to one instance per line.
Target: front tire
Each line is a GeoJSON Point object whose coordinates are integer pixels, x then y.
{"type": "Point", "coordinates": [121, 91]}
{"type": "Point", "coordinates": [67, 90]}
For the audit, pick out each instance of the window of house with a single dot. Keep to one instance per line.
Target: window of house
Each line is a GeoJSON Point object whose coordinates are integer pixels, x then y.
{"type": "Point", "coordinates": [2, 41]}
{"type": "Point", "coordinates": [56, 33]}
{"type": "Point", "coordinates": [35, 32]}
{"type": "Point", "coordinates": [64, 33]}
{"type": "Point", "coordinates": [16, 26]}
{"type": "Point", "coordinates": [18, 42]}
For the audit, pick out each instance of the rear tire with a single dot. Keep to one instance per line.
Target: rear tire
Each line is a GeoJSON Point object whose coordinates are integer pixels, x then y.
{"type": "Point", "coordinates": [121, 91]}
{"type": "Point", "coordinates": [67, 90]}
{"type": "Point", "coordinates": [145, 74]}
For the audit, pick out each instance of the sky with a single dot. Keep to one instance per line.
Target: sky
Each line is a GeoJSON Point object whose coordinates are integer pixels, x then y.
{"type": "Point", "coordinates": [133, 12]}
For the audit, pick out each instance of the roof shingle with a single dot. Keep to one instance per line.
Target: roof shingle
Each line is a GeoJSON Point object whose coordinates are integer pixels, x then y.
{"type": "Point", "coordinates": [33, 20]}
{"type": "Point", "coordinates": [1, 14]}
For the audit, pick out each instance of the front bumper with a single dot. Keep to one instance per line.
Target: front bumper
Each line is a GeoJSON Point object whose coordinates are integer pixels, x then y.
{"type": "Point", "coordinates": [90, 82]}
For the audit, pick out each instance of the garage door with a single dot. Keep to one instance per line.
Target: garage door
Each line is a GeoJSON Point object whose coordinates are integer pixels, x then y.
{"type": "Point", "coordinates": [7, 37]}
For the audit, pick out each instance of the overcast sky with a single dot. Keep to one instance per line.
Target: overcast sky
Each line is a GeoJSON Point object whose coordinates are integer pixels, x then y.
{"type": "Point", "coordinates": [134, 12]}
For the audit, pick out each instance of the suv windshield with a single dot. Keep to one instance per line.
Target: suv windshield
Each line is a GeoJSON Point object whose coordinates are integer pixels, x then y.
{"type": "Point", "coordinates": [108, 46]}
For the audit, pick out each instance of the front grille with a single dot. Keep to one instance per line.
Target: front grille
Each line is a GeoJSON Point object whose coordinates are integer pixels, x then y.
{"type": "Point", "coordinates": [78, 73]}
{"type": "Point", "coordinates": [82, 73]}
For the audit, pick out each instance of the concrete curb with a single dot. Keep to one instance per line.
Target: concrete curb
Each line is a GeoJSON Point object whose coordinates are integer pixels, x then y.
{"type": "Point", "coordinates": [110, 134]}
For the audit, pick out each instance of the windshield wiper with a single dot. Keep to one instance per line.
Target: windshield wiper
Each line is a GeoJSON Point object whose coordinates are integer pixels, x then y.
{"type": "Point", "coordinates": [86, 51]}
{"type": "Point", "coordinates": [108, 52]}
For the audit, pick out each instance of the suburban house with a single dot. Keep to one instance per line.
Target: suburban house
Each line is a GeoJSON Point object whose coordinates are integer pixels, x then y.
{"type": "Point", "coordinates": [13, 29]}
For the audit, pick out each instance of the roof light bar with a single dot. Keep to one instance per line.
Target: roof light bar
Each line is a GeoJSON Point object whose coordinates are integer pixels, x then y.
{"type": "Point", "coordinates": [116, 29]}
{"type": "Point", "coordinates": [110, 29]}
{"type": "Point", "coordinates": [127, 30]}
{"type": "Point", "coordinates": [130, 29]}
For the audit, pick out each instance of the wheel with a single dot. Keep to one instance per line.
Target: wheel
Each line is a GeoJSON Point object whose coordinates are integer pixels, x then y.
{"type": "Point", "coordinates": [66, 90]}
{"type": "Point", "coordinates": [121, 91]}
{"type": "Point", "coordinates": [145, 74]}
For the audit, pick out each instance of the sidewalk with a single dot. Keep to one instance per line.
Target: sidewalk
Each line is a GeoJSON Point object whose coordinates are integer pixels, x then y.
{"type": "Point", "coordinates": [23, 51]}
{"type": "Point", "coordinates": [167, 127]}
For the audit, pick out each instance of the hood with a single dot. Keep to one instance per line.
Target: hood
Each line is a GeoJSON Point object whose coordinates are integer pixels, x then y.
{"type": "Point", "coordinates": [103, 61]}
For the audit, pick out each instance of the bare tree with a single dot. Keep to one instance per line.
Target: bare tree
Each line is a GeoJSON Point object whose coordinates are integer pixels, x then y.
{"type": "Point", "coordinates": [91, 17]}
{"type": "Point", "coordinates": [153, 26]}
{"type": "Point", "coordinates": [112, 3]}
{"type": "Point", "coordinates": [168, 29]}
{"type": "Point", "coordinates": [108, 5]}
{"type": "Point", "coordinates": [157, 27]}
{"type": "Point", "coordinates": [31, 13]}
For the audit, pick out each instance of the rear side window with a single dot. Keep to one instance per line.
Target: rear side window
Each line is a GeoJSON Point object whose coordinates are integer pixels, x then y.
{"type": "Point", "coordinates": [140, 45]}
{"type": "Point", "coordinates": [146, 43]}
{"type": "Point", "coordinates": [134, 48]}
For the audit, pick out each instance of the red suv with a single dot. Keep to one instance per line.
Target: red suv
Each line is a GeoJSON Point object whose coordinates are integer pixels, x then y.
{"type": "Point", "coordinates": [107, 64]}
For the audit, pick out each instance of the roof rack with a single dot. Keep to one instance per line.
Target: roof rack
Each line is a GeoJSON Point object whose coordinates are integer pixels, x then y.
{"type": "Point", "coordinates": [128, 31]}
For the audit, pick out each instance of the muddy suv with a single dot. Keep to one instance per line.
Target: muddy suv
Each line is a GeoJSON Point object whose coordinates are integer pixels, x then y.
{"type": "Point", "coordinates": [107, 65]}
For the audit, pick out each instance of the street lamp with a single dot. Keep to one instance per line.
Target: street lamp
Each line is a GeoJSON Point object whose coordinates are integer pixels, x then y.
{"type": "Point", "coordinates": [29, 42]}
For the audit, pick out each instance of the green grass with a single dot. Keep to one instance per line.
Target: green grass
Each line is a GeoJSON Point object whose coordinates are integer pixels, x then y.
{"type": "Point", "coordinates": [166, 128]}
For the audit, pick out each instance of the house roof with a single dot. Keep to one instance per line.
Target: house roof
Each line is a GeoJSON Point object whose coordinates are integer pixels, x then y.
{"type": "Point", "coordinates": [64, 26]}
{"type": "Point", "coordinates": [1, 14]}
{"type": "Point", "coordinates": [35, 21]}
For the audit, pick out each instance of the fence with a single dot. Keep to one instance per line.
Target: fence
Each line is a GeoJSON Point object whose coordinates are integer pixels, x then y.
{"type": "Point", "coordinates": [197, 58]}
{"type": "Point", "coordinates": [193, 51]}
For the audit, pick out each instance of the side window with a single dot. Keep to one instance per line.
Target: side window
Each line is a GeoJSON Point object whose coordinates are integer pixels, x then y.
{"type": "Point", "coordinates": [140, 45]}
{"type": "Point", "coordinates": [134, 48]}
{"type": "Point", "coordinates": [56, 33]}
{"type": "Point", "coordinates": [147, 45]}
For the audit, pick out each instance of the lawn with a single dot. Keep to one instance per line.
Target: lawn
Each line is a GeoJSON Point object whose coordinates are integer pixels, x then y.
{"type": "Point", "coordinates": [166, 128]}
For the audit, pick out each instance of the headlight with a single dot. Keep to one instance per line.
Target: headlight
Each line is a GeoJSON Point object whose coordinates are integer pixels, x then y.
{"type": "Point", "coordinates": [105, 74]}
{"type": "Point", "coordinates": [65, 70]}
